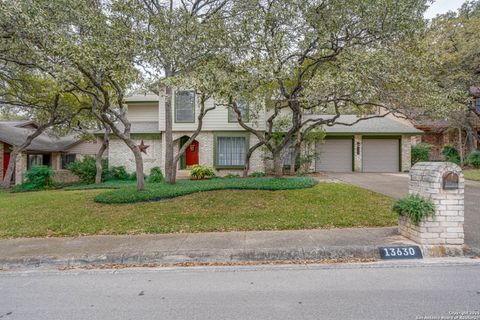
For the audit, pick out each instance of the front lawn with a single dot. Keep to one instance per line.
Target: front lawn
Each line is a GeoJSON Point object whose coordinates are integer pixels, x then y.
{"type": "Point", "coordinates": [473, 174]}
{"type": "Point", "coordinates": [73, 213]}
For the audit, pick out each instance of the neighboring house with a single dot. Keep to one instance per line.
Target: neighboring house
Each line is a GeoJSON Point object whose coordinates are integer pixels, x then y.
{"type": "Point", "coordinates": [375, 145]}
{"type": "Point", "coordinates": [439, 133]}
{"type": "Point", "coordinates": [44, 150]}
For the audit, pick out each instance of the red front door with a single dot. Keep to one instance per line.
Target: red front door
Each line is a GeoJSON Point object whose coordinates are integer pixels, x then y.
{"type": "Point", "coordinates": [192, 154]}
{"type": "Point", "coordinates": [6, 160]}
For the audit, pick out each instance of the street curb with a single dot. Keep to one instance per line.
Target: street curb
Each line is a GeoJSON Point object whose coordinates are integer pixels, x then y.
{"type": "Point", "coordinates": [211, 255]}
{"type": "Point", "coordinates": [179, 256]}
{"type": "Point", "coordinates": [472, 252]}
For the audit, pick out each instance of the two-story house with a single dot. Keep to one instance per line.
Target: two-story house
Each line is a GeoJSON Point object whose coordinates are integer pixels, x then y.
{"type": "Point", "coordinates": [374, 145]}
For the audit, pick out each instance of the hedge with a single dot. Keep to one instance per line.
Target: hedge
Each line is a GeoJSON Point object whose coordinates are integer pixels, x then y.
{"type": "Point", "coordinates": [159, 191]}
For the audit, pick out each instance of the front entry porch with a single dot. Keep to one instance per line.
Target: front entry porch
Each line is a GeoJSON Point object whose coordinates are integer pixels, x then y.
{"type": "Point", "coordinates": [190, 157]}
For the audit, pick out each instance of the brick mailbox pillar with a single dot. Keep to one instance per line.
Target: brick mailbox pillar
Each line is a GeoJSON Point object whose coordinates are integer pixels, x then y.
{"type": "Point", "coordinates": [444, 184]}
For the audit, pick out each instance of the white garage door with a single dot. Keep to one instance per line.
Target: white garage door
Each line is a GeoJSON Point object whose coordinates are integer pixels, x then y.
{"type": "Point", "coordinates": [380, 155]}
{"type": "Point", "coordinates": [334, 155]}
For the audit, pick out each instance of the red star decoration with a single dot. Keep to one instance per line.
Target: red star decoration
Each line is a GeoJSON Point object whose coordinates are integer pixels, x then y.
{"type": "Point", "coordinates": [143, 147]}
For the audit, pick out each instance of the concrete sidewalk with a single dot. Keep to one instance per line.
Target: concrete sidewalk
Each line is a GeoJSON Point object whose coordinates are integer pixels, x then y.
{"type": "Point", "coordinates": [198, 247]}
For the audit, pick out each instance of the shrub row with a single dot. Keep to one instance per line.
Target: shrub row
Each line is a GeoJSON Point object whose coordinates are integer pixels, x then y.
{"type": "Point", "coordinates": [86, 170]}
{"type": "Point", "coordinates": [421, 152]}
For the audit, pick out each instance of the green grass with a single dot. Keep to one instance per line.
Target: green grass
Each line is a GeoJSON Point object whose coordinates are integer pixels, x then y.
{"type": "Point", "coordinates": [73, 213]}
{"type": "Point", "coordinates": [160, 191]}
{"type": "Point", "coordinates": [110, 184]}
{"type": "Point", "coordinates": [473, 174]}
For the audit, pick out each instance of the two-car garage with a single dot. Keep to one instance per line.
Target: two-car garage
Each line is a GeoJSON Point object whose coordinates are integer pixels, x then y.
{"type": "Point", "coordinates": [376, 154]}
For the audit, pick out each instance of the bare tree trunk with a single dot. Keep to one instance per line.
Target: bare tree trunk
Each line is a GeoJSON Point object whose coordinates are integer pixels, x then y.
{"type": "Point", "coordinates": [139, 169]}
{"type": "Point", "coordinates": [138, 159]}
{"type": "Point", "coordinates": [248, 156]}
{"type": "Point", "coordinates": [471, 141]}
{"type": "Point", "coordinates": [170, 175]}
{"type": "Point", "coordinates": [16, 151]}
{"type": "Point", "coordinates": [277, 164]}
{"type": "Point", "coordinates": [295, 154]}
{"type": "Point", "coordinates": [99, 157]}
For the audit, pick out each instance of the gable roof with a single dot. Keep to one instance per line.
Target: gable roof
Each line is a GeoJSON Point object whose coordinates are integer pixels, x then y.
{"type": "Point", "coordinates": [15, 133]}
{"type": "Point", "coordinates": [380, 125]}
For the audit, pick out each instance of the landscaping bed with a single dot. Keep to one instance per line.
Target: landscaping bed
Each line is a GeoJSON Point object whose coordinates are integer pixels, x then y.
{"type": "Point", "coordinates": [74, 213]}
{"type": "Point", "coordinates": [160, 191]}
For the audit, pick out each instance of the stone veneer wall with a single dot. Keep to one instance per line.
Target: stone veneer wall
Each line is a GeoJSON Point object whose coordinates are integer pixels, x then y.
{"type": "Point", "coordinates": [257, 160]}
{"type": "Point", "coordinates": [20, 167]}
{"type": "Point", "coordinates": [120, 155]}
{"type": "Point", "coordinates": [56, 160]}
{"type": "Point", "coordinates": [63, 176]}
{"type": "Point", "coordinates": [357, 158]}
{"type": "Point", "coordinates": [205, 145]}
{"type": "Point", "coordinates": [206, 148]}
{"type": "Point", "coordinates": [446, 227]}
{"type": "Point", "coordinates": [406, 146]}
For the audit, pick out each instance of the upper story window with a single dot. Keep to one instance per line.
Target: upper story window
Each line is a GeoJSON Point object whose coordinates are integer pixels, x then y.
{"type": "Point", "coordinates": [477, 104]}
{"type": "Point", "coordinates": [242, 105]}
{"type": "Point", "coordinates": [185, 106]}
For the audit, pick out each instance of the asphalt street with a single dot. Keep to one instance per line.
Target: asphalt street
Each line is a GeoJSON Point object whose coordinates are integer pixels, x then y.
{"type": "Point", "coordinates": [355, 291]}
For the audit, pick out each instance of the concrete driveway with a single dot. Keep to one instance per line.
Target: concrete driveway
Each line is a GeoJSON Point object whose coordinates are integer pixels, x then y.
{"type": "Point", "coordinates": [396, 185]}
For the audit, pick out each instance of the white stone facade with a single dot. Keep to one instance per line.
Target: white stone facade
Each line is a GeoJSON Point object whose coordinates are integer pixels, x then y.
{"type": "Point", "coordinates": [406, 145]}
{"type": "Point", "coordinates": [120, 155]}
{"type": "Point", "coordinates": [357, 152]}
{"type": "Point", "coordinates": [445, 228]}
{"type": "Point", "coordinates": [20, 167]}
{"type": "Point", "coordinates": [206, 157]}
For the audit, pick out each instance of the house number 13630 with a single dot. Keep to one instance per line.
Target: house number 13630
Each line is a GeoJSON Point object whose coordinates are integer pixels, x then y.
{"type": "Point", "coordinates": [407, 252]}
{"type": "Point", "coordinates": [392, 252]}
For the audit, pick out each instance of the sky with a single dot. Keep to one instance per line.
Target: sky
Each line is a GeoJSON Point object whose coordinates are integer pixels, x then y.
{"type": "Point", "coordinates": [442, 6]}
